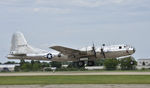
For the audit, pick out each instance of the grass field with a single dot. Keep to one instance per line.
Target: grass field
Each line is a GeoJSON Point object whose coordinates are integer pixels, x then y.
{"type": "Point", "coordinates": [89, 79]}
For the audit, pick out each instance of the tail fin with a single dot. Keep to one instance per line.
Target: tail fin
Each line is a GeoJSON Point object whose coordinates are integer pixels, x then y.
{"type": "Point", "coordinates": [17, 40]}
{"type": "Point", "coordinates": [19, 45]}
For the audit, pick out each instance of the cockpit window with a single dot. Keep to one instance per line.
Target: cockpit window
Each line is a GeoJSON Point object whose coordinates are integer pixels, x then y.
{"type": "Point", "coordinates": [120, 47]}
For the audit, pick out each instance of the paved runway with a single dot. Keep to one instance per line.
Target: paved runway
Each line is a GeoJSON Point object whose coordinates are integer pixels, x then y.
{"type": "Point", "coordinates": [72, 73]}
{"type": "Point", "coordinates": [80, 86]}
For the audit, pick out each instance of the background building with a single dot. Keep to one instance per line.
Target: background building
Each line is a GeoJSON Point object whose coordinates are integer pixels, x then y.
{"type": "Point", "coordinates": [8, 67]}
{"type": "Point", "coordinates": [143, 63]}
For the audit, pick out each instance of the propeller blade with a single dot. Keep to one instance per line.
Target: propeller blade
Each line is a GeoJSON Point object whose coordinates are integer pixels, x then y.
{"type": "Point", "coordinates": [102, 51]}
{"type": "Point", "coordinates": [93, 48]}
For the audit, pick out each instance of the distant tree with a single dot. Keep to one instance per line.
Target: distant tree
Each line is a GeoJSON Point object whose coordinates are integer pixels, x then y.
{"type": "Point", "coordinates": [26, 66]}
{"type": "Point", "coordinates": [22, 62]}
{"type": "Point", "coordinates": [45, 64]}
{"type": "Point", "coordinates": [128, 63]}
{"type": "Point", "coordinates": [99, 62]}
{"type": "Point", "coordinates": [111, 64]}
{"type": "Point", "coordinates": [56, 64]}
{"type": "Point", "coordinates": [38, 61]}
{"type": "Point", "coordinates": [36, 66]}
{"type": "Point", "coordinates": [17, 68]}
{"type": "Point", "coordinates": [10, 62]}
{"type": "Point", "coordinates": [72, 65]}
{"type": "Point", "coordinates": [32, 62]}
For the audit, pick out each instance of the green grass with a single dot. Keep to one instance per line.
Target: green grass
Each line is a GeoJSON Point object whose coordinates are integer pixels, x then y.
{"type": "Point", "coordinates": [90, 79]}
{"type": "Point", "coordinates": [88, 71]}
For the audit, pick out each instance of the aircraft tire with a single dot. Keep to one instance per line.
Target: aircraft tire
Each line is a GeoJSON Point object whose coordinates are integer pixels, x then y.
{"type": "Point", "coordinates": [90, 63]}
{"type": "Point", "coordinates": [81, 64]}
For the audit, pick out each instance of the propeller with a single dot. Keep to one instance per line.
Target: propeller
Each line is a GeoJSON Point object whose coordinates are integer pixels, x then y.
{"type": "Point", "coordinates": [127, 50]}
{"type": "Point", "coordinates": [102, 51]}
{"type": "Point", "coordinates": [94, 51]}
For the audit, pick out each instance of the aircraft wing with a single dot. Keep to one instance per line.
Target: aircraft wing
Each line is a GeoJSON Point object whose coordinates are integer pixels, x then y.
{"type": "Point", "coordinates": [72, 52]}
{"type": "Point", "coordinates": [65, 50]}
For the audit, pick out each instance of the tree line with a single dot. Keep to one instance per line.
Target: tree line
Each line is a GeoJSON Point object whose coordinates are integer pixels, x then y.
{"type": "Point", "coordinates": [109, 64]}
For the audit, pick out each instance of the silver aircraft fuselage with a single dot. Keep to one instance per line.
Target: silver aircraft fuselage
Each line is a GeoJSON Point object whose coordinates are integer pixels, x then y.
{"type": "Point", "coordinates": [109, 51]}
{"type": "Point", "coordinates": [20, 49]}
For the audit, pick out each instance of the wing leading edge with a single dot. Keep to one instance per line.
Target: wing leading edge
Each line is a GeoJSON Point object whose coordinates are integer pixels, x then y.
{"type": "Point", "coordinates": [70, 51]}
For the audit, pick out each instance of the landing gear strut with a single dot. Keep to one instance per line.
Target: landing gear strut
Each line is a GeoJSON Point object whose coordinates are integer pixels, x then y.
{"type": "Point", "coordinates": [82, 63]}
{"type": "Point", "coordinates": [90, 63]}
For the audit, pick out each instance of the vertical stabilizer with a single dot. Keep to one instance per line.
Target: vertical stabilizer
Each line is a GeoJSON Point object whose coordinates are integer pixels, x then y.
{"type": "Point", "coordinates": [17, 40]}
{"type": "Point", "coordinates": [19, 45]}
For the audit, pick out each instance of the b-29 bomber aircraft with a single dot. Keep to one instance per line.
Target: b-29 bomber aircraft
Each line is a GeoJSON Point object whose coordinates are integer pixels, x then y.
{"type": "Point", "coordinates": [20, 49]}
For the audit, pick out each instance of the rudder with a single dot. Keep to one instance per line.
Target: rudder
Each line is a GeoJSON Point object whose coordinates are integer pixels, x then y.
{"type": "Point", "coordinates": [18, 39]}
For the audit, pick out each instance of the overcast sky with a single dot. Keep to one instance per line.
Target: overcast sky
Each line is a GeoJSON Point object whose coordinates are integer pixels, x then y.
{"type": "Point", "coordinates": [76, 23]}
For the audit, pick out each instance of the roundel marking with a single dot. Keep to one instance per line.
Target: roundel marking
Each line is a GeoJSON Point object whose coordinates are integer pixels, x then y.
{"type": "Point", "coordinates": [49, 56]}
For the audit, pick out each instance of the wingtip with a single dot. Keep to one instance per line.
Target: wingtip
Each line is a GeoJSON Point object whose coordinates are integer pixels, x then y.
{"type": "Point", "coordinates": [52, 47]}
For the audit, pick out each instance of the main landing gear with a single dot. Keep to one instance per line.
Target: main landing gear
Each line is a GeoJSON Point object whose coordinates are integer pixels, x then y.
{"type": "Point", "coordinates": [90, 63]}
{"type": "Point", "coordinates": [82, 63]}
